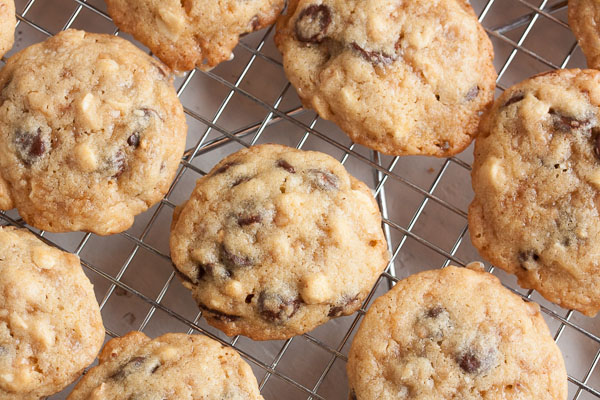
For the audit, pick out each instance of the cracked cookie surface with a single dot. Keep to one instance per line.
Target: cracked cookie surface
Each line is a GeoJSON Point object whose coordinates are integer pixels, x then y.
{"type": "Point", "coordinates": [50, 323]}
{"type": "Point", "coordinates": [583, 20]}
{"type": "Point", "coordinates": [174, 366]}
{"type": "Point", "coordinates": [275, 241]}
{"type": "Point", "coordinates": [454, 333]}
{"type": "Point", "coordinates": [536, 177]}
{"type": "Point", "coordinates": [391, 73]}
{"type": "Point", "coordinates": [192, 33]}
{"type": "Point", "coordinates": [91, 133]}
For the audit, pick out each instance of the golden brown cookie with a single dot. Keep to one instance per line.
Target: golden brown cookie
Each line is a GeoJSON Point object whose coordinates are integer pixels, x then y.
{"type": "Point", "coordinates": [174, 366]}
{"type": "Point", "coordinates": [275, 241]}
{"type": "Point", "coordinates": [401, 77]}
{"type": "Point", "coordinates": [50, 324]}
{"type": "Point", "coordinates": [536, 177]}
{"type": "Point", "coordinates": [192, 33]}
{"type": "Point", "coordinates": [454, 333]}
{"type": "Point", "coordinates": [583, 19]}
{"type": "Point", "coordinates": [91, 133]}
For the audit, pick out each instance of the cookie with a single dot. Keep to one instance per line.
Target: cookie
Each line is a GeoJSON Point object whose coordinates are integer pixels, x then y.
{"type": "Point", "coordinates": [91, 133]}
{"type": "Point", "coordinates": [583, 15]}
{"type": "Point", "coordinates": [7, 25]}
{"type": "Point", "coordinates": [174, 366]}
{"type": "Point", "coordinates": [275, 241]}
{"type": "Point", "coordinates": [536, 177]}
{"type": "Point", "coordinates": [192, 33]}
{"type": "Point", "coordinates": [454, 333]}
{"type": "Point", "coordinates": [391, 73]}
{"type": "Point", "coordinates": [50, 324]}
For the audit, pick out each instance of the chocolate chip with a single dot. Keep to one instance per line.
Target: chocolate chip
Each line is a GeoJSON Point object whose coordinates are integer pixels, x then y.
{"type": "Point", "coordinates": [335, 311]}
{"type": "Point", "coordinates": [375, 57]}
{"type": "Point", "coordinates": [224, 168]}
{"type": "Point", "coordinates": [221, 316]}
{"type": "Point", "coordinates": [253, 219]}
{"type": "Point", "coordinates": [30, 146]}
{"type": "Point", "coordinates": [324, 180]}
{"type": "Point", "coordinates": [154, 368]}
{"type": "Point", "coordinates": [469, 362]}
{"type": "Point", "coordinates": [343, 305]}
{"type": "Point", "coordinates": [515, 99]}
{"type": "Point", "coordinates": [476, 362]}
{"type": "Point", "coordinates": [239, 181]}
{"type": "Point", "coordinates": [286, 165]}
{"type": "Point", "coordinates": [312, 23]}
{"type": "Point", "coordinates": [434, 312]}
{"type": "Point", "coordinates": [528, 259]}
{"type": "Point", "coordinates": [353, 395]}
{"type": "Point", "coordinates": [565, 123]}
{"type": "Point", "coordinates": [274, 308]}
{"type": "Point", "coordinates": [249, 298]}
{"type": "Point", "coordinates": [472, 93]}
{"type": "Point", "coordinates": [203, 270]}
{"type": "Point", "coordinates": [118, 164]}
{"type": "Point", "coordinates": [132, 366]}
{"type": "Point", "coordinates": [255, 23]}
{"type": "Point", "coordinates": [232, 260]}
{"type": "Point", "coordinates": [134, 140]}
{"type": "Point", "coordinates": [596, 141]}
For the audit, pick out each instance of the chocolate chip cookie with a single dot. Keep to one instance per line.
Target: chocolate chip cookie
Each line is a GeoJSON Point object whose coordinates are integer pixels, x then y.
{"type": "Point", "coordinates": [454, 333]}
{"type": "Point", "coordinates": [174, 366]}
{"type": "Point", "coordinates": [7, 25]}
{"type": "Point", "coordinates": [401, 77]}
{"type": "Point", "coordinates": [50, 324]}
{"type": "Point", "coordinates": [192, 33]}
{"type": "Point", "coordinates": [91, 133]}
{"type": "Point", "coordinates": [536, 177]}
{"type": "Point", "coordinates": [275, 241]}
{"type": "Point", "coordinates": [583, 17]}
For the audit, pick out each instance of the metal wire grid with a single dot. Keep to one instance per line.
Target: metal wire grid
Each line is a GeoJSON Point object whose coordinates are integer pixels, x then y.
{"type": "Point", "coordinates": [385, 174]}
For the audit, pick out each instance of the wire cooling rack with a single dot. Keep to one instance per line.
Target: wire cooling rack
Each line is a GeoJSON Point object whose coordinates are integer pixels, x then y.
{"type": "Point", "coordinates": [248, 101]}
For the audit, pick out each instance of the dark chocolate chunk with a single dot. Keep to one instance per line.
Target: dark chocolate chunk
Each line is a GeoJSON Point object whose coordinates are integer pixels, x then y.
{"type": "Point", "coordinates": [469, 362]}
{"type": "Point", "coordinates": [221, 316]}
{"type": "Point", "coordinates": [434, 312]}
{"type": "Point", "coordinates": [476, 362]}
{"type": "Point", "coordinates": [249, 298]}
{"type": "Point", "coordinates": [274, 308]}
{"type": "Point", "coordinates": [515, 99]}
{"type": "Point", "coordinates": [528, 259]}
{"type": "Point", "coordinates": [232, 260]}
{"type": "Point", "coordinates": [30, 146]}
{"type": "Point", "coordinates": [255, 23]}
{"type": "Point", "coordinates": [312, 23]}
{"type": "Point", "coordinates": [565, 123]}
{"type": "Point", "coordinates": [286, 165]}
{"type": "Point", "coordinates": [252, 219]}
{"type": "Point", "coordinates": [224, 168]}
{"type": "Point", "coordinates": [134, 140]}
{"type": "Point", "coordinates": [596, 141]}
{"type": "Point", "coordinates": [324, 180]}
{"type": "Point", "coordinates": [375, 57]}
{"type": "Point", "coordinates": [241, 180]}
{"type": "Point", "coordinates": [339, 308]}
{"type": "Point", "coordinates": [472, 93]}
{"type": "Point", "coordinates": [132, 366]}
{"type": "Point", "coordinates": [118, 164]}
